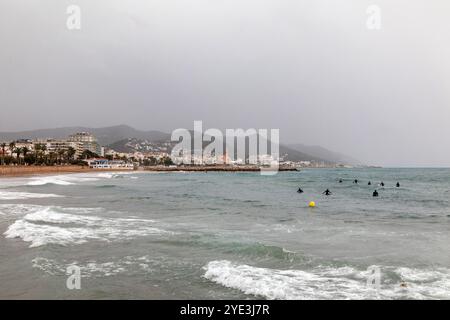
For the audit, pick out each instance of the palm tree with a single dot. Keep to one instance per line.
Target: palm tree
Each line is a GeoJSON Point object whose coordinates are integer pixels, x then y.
{"type": "Point", "coordinates": [12, 146]}
{"type": "Point", "coordinates": [51, 156]}
{"type": "Point", "coordinates": [25, 150]}
{"type": "Point", "coordinates": [70, 153]}
{"type": "Point", "coordinates": [43, 148]}
{"type": "Point", "coordinates": [37, 150]}
{"type": "Point", "coordinates": [17, 151]}
{"type": "Point", "coordinates": [3, 146]}
{"type": "Point", "coordinates": [61, 153]}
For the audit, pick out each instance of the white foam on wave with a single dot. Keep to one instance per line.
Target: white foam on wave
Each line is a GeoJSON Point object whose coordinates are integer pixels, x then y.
{"type": "Point", "coordinates": [322, 283]}
{"type": "Point", "coordinates": [426, 283]}
{"type": "Point", "coordinates": [89, 269]}
{"type": "Point", "coordinates": [16, 195]}
{"type": "Point", "coordinates": [16, 209]}
{"type": "Point", "coordinates": [281, 284]}
{"type": "Point", "coordinates": [56, 225]}
{"type": "Point", "coordinates": [49, 180]}
{"type": "Point", "coordinates": [105, 175]}
{"type": "Point", "coordinates": [65, 180]}
{"type": "Point", "coordinates": [109, 175]}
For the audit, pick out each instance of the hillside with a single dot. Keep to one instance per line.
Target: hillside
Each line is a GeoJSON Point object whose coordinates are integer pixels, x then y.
{"type": "Point", "coordinates": [105, 136]}
{"type": "Point", "coordinates": [321, 152]}
{"type": "Point", "coordinates": [133, 144]}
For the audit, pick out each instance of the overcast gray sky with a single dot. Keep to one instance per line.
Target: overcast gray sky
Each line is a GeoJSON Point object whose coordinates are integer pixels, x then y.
{"type": "Point", "coordinates": [310, 68]}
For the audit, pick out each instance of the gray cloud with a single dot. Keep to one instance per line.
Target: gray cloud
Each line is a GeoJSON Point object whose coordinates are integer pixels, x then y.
{"type": "Point", "coordinates": [310, 68]}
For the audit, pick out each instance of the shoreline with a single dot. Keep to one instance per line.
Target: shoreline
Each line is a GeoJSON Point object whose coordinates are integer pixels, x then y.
{"type": "Point", "coordinates": [24, 171]}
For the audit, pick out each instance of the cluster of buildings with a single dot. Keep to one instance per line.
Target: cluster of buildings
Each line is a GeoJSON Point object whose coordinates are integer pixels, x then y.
{"type": "Point", "coordinates": [146, 147]}
{"type": "Point", "coordinates": [212, 159]}
{"type": "Point", "coordinates": [141, 152]}
{"type": "Point", "coordinates": [136, 156]}
{"type": "Point", "coordinates": [79, 142]}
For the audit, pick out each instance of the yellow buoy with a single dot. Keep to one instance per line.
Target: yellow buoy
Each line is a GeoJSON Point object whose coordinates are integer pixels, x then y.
{"type": "Point", "coordinates": [312, 204]}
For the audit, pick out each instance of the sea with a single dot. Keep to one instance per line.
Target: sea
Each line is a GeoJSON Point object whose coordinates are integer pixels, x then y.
{"type": "Point", "coordinates": [226, 235]}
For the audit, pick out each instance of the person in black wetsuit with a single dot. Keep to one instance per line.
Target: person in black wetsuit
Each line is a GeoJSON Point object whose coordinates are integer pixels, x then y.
{"type": "Point", "coordinates": [327, 192]}
{"type": "Point", "coordinates": [375, 193]}
{"type": "Point", "coordinates": [382, 184]}
{"type": "Point", "coordinates": [355, 181]}
{"type": "Point", "coordinates": [369, 184]}
{"type": "Point", "coordinates": [340, 180]}
{"type": "Point", "coordinates": [398, 185]}
{"type": "Point", "coordinates": [300, 190]}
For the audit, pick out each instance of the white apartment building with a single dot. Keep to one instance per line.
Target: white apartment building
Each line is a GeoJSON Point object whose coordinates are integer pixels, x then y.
{"type": "Point", "coordinates": [54, 145]}
{"type": "Point", "coordinates": [87, 140]}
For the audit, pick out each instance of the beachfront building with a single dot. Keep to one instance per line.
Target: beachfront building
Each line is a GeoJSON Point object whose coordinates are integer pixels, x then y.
{"type": "Point", "coordinates": [24, 143]}
{"type": "Point", "coordinates": [79, 142]}
{"type": "Point", "coordinates": [109, 164]}
{"type": "Point", "coordinates": [87, 141]}
{"type": "Point", "coordinates": [56, 145]}
{"type": "Point", "coordinates": [20, 144]}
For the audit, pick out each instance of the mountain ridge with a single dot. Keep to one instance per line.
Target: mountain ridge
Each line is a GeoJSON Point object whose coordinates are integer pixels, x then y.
{"type": "Point", "coordinates": [321, 152]}
{"type": "Point", "coordinates": [104, 135]}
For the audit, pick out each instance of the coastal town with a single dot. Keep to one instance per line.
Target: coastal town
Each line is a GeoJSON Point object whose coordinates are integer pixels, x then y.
{"type": "Point", "coordinates": [83, 149]}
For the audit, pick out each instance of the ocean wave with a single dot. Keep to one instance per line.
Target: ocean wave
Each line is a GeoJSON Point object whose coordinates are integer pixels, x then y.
{"type": "Point", "coordinates": [281, 284]}
{"type": "Point", "coordinates": [129, 265]}
{"type": "Point", "coordinates": [426, 283]}
{"type": "Point", "coordinates": [106, 186]}
{"type": "Point", "coordinates": [327, 283]}
{"type": "Point", "coordinates": [16, 195]}
{"type": "Point", "coordinates": [105, 175]}
{"type": "Point", "coordinates": [109, 175]}
{"type": "Point", "coordinates": [254, 250]}
{"type": "Point", "coordinates": [49, 180]}
{"type": "Point", "coordinates": [16, 209]}
{"type": "Point", "coordinates": [56, 225]}
{"type": "Point", "coordinates": [65, 180]}
{"type": "Point", "coordinates": [283, 228]}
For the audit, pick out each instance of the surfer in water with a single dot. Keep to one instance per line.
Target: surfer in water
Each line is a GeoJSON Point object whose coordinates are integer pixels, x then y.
{"type": "Point", "coordinates": [375, 193]}
{"type": "Point", "coordinates": [327, 192]}
{"type": "Point", "coordinates": [299, 190]}
{"type": "Point", "coordinates": [355, 181]}
{"type": "Point", "coordinates": [382, 184]}
{"type": "Point", "coordinates": [398, 185]}
{"type": "Point", "coordinates": [340, 180]}
{"type": "Point", "coordinates": [369, 184]}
